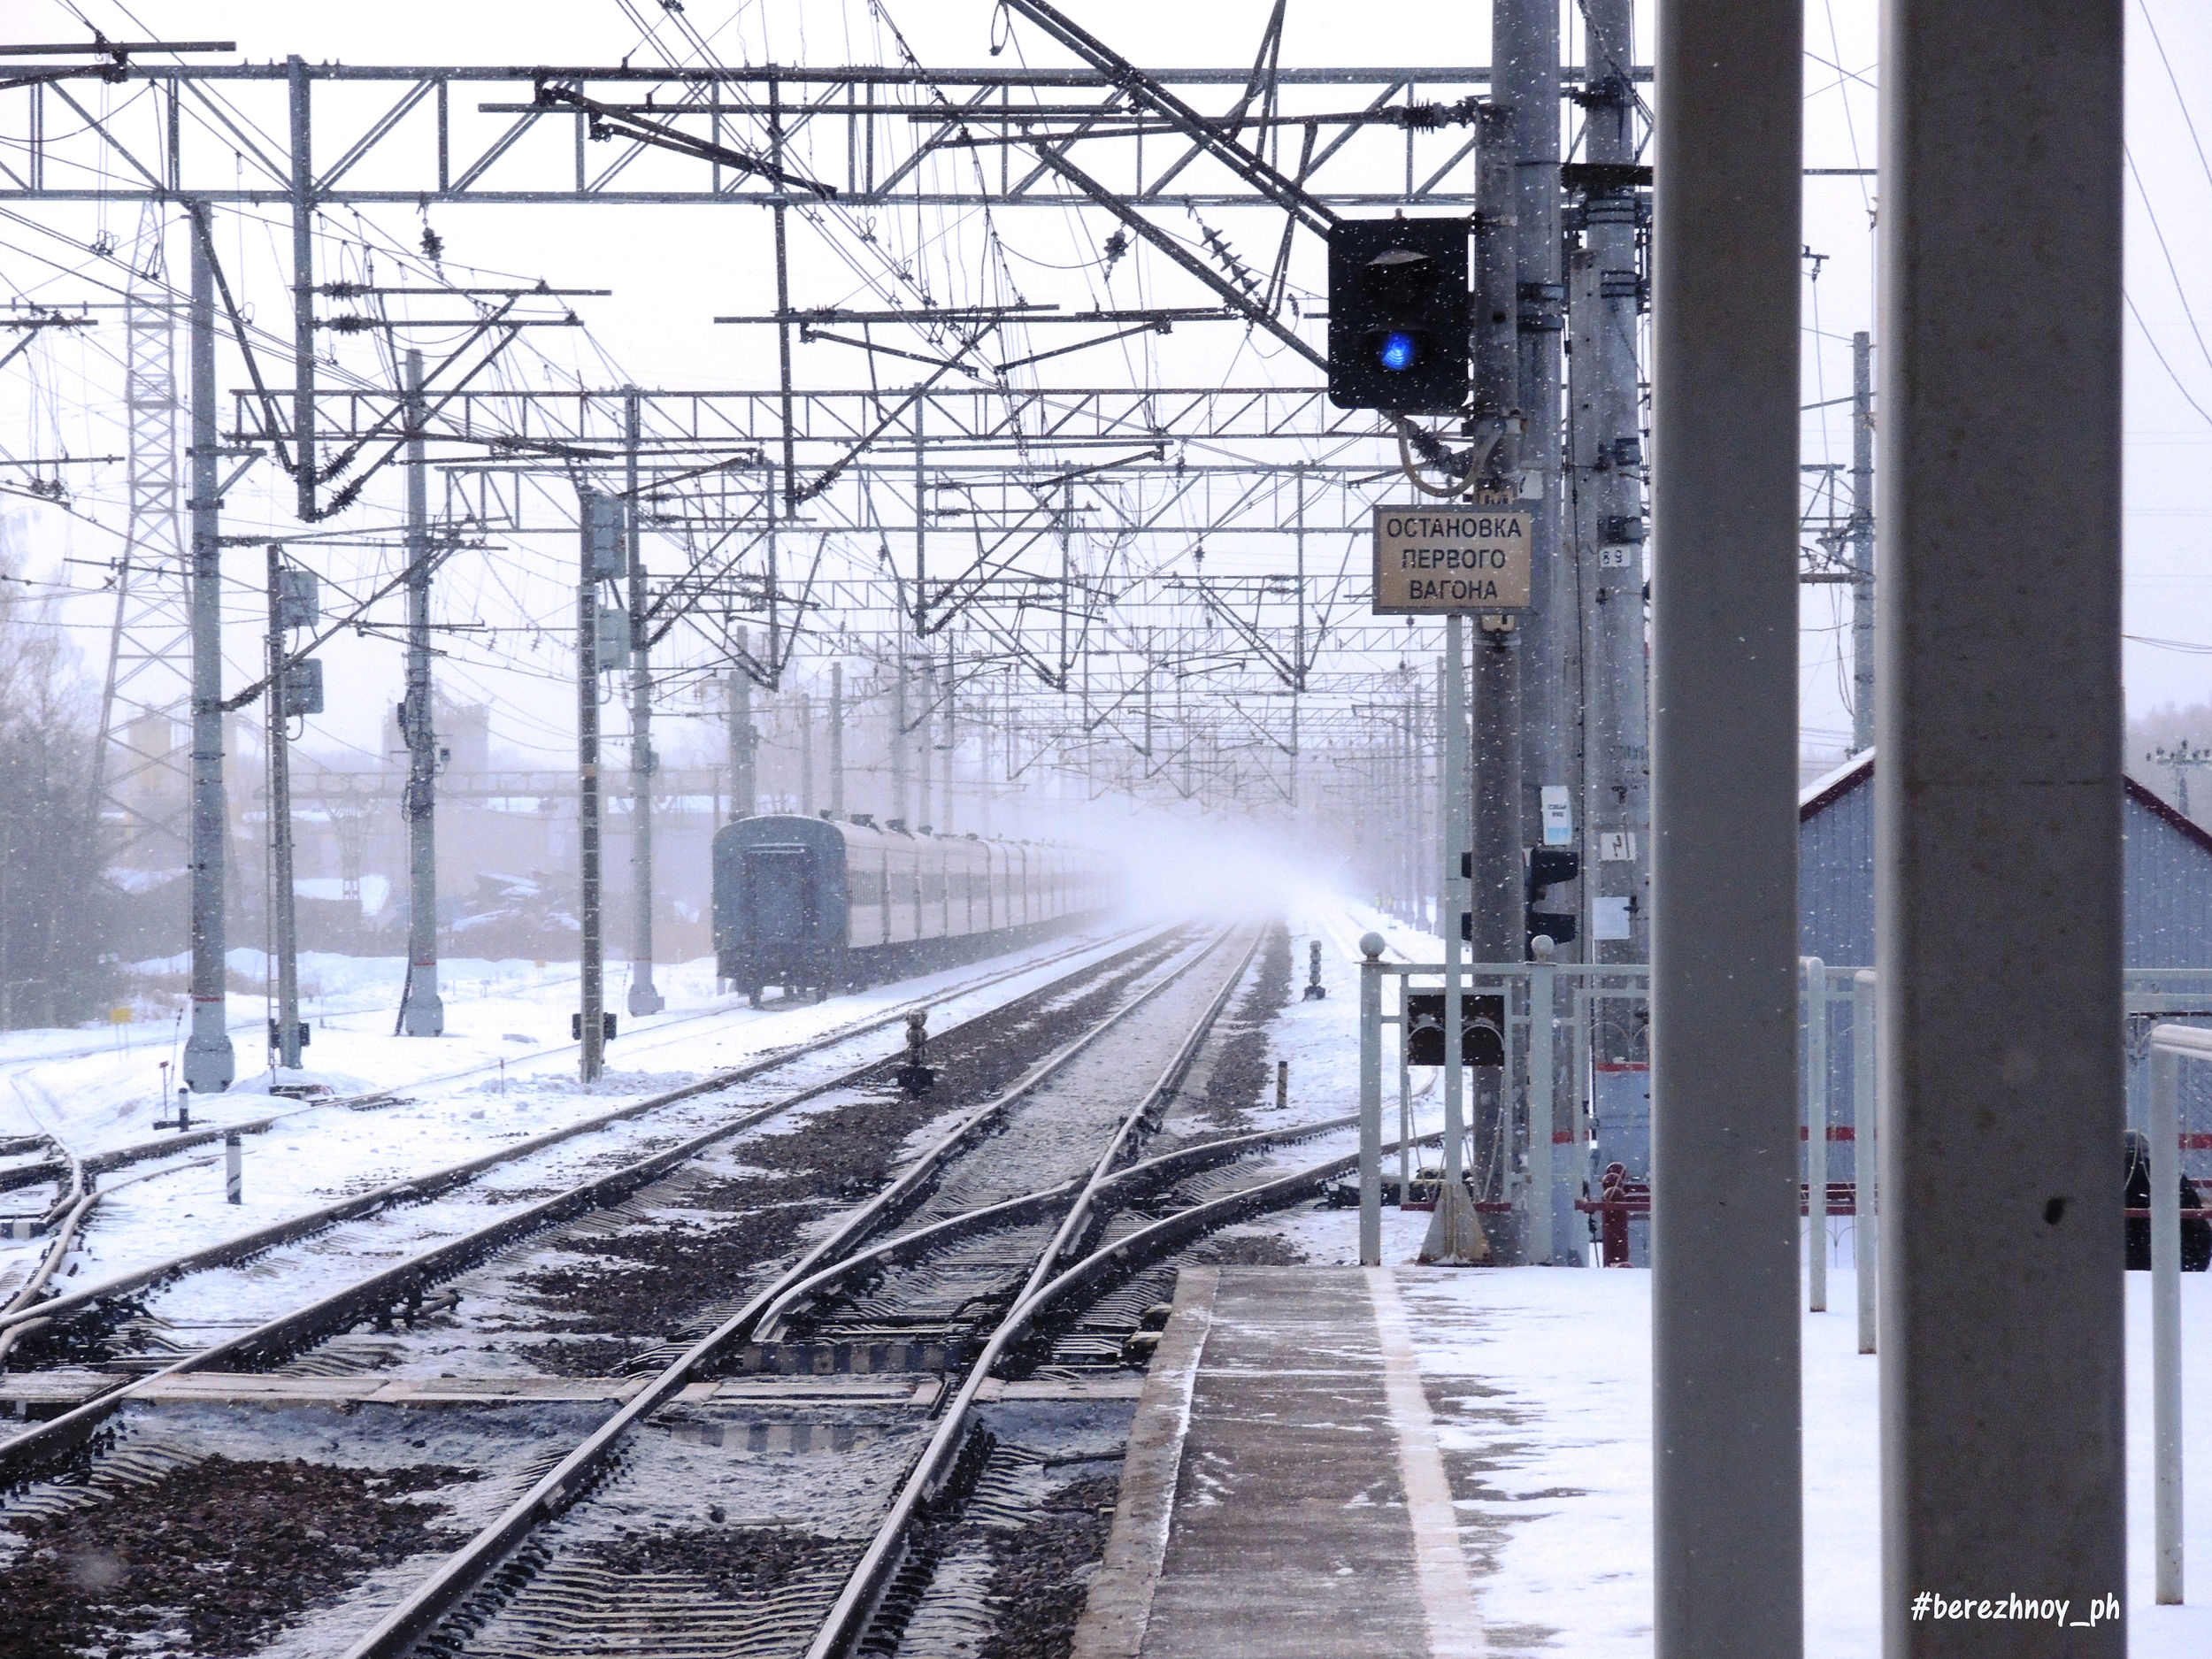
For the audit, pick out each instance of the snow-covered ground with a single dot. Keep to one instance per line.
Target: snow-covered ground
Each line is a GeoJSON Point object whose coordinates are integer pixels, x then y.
{"type": "Point", "coordinates": [97, 1088]}
{"type": "Point", "coordinates": [506, 1070]}
{"type": "Point", "coordinates": [1568, 1350]}
{"type": "Point", "coordinates": [1567, 1353]}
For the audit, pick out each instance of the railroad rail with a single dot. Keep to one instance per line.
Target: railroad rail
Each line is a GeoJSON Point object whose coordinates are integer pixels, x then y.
{"type": "Point", "coordinates": [405, 1283]}
{"type": "Point", "coordinates": [92, 1163]}
{"type": "Point", "coordinates": [1030, 1210]}
{"type": "Point", "coordinates": [552, 1494]}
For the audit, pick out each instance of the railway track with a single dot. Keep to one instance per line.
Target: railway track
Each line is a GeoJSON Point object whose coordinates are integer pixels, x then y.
{"type": "Point", "coordinates": [778, 1474]}
{"type": "Point", "coordinates": [556, 1590]}
{"type": "Point", "coordinates": [702, 1104]}
{"type": "Point", "coordinates": [61, 1161]}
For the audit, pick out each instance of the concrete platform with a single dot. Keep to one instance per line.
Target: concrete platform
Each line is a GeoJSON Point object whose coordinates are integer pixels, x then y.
{"type": "Point", "coordinates": [1284, 1493]}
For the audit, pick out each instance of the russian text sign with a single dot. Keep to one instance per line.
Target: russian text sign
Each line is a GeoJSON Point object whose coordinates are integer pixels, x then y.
{"type": "Point", "coordinates": [1432, 561]}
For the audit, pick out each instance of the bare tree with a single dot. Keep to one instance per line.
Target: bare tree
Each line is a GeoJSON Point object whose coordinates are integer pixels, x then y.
{"type": "Point", "coordinates": [57, 913]}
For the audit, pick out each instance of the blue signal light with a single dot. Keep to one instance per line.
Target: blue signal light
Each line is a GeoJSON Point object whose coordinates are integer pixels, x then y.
{"type": "Point", "coordinates": [1397, 351]}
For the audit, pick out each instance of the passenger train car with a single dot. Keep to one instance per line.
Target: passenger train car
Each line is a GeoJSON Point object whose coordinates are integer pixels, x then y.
{"type": "Point", "coordinates": [820, 904]}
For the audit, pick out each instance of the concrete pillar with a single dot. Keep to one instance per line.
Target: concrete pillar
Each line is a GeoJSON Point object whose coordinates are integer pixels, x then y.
{"type": "Point", "coordinates": [1862, 541]}
{"type": "Point", "coordinates": [645, 997]}
{"type": "Point", "coordinates": [1997, 812]}
{"type": "Point", "coordinates": [1606, 471]}
{"type": "Point", "coordinates": [925, 747]}
{"type": "Point", "coordinates": [591, 1059]}
{"type": "Point", "coordinates": [1526, 33]}
{"type": "Point", "coordinates": [209, 1062]}
{"type": "Point", "coordinates": [422, 1010]}
{"type": "Point", "coordinates": [900, 739]}
{"type": "Point", "coordinates": [837, 740]}
{"type": "Point", "coordinates": [1727, 1495]}
{"type": "Point", "coordinates": [744, 739]}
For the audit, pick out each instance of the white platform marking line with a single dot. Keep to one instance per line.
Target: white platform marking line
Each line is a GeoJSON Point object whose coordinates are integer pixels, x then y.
{"type": "Point", "coordinates": [1441, 1567]}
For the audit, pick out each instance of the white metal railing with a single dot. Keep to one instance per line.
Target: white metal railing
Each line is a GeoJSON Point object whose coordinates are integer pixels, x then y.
{"type": "Point", "coordinates": [1866, 1232]}
{"type": "Point", "coordinates": [1531, 1034]}
{"type": "Point", "coordinates": [1827, 990]}
{"type": "Point", "coordinates": [2170, 1046]}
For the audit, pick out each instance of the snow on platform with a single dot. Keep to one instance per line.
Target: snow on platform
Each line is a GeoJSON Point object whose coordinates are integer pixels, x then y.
{"type": "Point", "coordinates": [1290, 1467]}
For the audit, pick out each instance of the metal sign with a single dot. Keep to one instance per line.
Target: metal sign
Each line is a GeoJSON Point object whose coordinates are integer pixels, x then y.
{"type": "Point", "coordinates": [1433, 561]}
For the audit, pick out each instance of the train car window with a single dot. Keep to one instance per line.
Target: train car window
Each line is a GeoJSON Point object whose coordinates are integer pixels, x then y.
{"type": "Point", "coordinates": [906, 892]}
{"type": "Point", "coordinates": [867, 885]}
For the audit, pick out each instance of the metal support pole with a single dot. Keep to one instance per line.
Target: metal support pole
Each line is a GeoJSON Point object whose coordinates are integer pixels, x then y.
{"type": "Point", "coordinates": [1998, 812]}
{"type": "Point", "coordinates": [1604, 419]}
{"type": "Point", "coordinates": [837, 740]}
{"type": "Point", "coordinates": [1862, 534]}
{"type": "Point", "coordinates": [744, 739]}
{"type": "Point", "coordinates": [948, 747]}
{"type": "Point", "coordinates": [1493, 777]}
{"type": "Point", "coordinates": [1548, 638]}
{"type": "Point", "coordinates": [302, 195]}
{"type": "Point", "coordinates": [209, 1064]}
{"type": "Point", "coordinates": [1405, 1093]}
{"type": "Point", "coordinates": [900, 738]}
{"type": "Point", "coordinates": [1499, 874]}
{"type": "Point", "coordinates": [592, 1060]}
{"type": "Point", "coordinates": [1585, 1021]}
{"type": "Point", "coordinates": [422, 1011]}
{"type": "Point", "coordinates": [643, 998]}
{"type": "Point", "coordinates": [1866, 1230]}
{"type": "Point", "coordinates": [283, 900]}
{"type": "Point", "coordinates": [1542, 1064]}
{"type": "Point", "coordinates": [925, 749]}
{"type": "Point", "coordinates": [1455, 888]}
{"type": "Point", "coordinates": [1817, 1134]}
{"type": "Point", "coordinates": [2165, 1134]}
{"type": "Point", "coordinates": [803, 705]}
{"type": "Point", "coordinates": [1370, 1100]}
{"type": "Point", "coordinates": [1728, 1505]}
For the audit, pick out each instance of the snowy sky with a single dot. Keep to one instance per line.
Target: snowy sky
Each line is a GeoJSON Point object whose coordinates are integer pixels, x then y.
{"type": "Point", "coordinates": [674, 268]}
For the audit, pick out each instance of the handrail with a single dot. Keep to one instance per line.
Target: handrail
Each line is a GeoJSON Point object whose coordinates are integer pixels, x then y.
{"type": "Point", "coordinates": [2170, 1046]}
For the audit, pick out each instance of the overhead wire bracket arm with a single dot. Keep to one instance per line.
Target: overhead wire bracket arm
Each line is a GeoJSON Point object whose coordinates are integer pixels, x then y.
{"type": "Point", "coordinates": [1232, 296]}
{"type": "Point", "coordinates": [607, 121]}
{"type": "Point", "coordinates": [273, 425]}
{"type": "Point", "coordinates": [1134, 82]}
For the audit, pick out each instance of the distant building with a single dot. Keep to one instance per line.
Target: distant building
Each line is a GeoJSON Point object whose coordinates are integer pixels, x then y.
{"type": "Point", "coordinates": [2168, 900]}
{"type": "Point", "coordinates": [2167, 876]}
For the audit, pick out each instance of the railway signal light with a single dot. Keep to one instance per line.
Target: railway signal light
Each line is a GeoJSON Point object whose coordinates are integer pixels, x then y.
{"type": "Point", "coordinates": [1547, 868]}
{"type": "Point", "coordinates": [1398, 315]}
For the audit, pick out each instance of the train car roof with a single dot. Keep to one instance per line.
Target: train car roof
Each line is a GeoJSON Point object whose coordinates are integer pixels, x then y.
{"type": "Point", "coordinates": [772, 829]}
